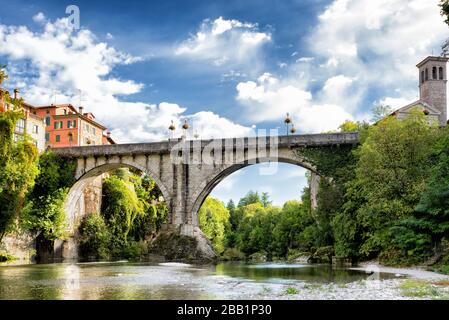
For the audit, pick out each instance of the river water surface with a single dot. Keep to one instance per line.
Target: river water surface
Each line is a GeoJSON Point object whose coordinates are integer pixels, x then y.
{"type": "Point", "coordinates": [124, 280]}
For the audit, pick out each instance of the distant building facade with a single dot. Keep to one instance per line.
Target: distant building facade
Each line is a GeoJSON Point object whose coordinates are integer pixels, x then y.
{"type": "Point", "coordinates": [67, 127]}
{"type": "Point", "coordinates": [57, 126]}
{"type": "Point", "coordinates": [31, 124]}
{"type": "Point", "coordinates": [432, 91]}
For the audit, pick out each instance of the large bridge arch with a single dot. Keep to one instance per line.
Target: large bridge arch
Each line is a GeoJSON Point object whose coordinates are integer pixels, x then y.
{"type": "Point", "coordinates": [200, 194]}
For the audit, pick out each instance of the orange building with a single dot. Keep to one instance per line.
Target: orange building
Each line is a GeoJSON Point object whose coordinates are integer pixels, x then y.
{"type": "Point", "coordinates": [66, 126]}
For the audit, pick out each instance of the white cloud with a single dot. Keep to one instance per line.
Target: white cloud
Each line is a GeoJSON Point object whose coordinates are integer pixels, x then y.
{"type": "Point", "coordinates": [271, 99]}
{"type": "Point", "coordinates": [378, 43]}
{"type": "Point", "coordinates": [39, 18]}
{"type": "Point", "coordinates": [65, 61]}
{"type": "Point", "coordinates": [364, 53]}
{"type": "Point", "coordinates": [222, 41]}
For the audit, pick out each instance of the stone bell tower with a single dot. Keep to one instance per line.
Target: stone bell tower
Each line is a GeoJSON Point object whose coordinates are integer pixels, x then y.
{"type": "Point", "coordinates": [432, 84]}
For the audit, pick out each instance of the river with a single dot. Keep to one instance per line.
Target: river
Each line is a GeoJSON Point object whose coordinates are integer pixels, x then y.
{"type": "Point", "coordinates": [125, 280]}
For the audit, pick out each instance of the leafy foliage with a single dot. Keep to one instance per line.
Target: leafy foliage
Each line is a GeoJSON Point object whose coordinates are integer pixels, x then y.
{"type": "Point", "coordinates": [94, 237]}
{"type": "Point", "coordinates": [213, 218]}
{"type": "Point", "coordinates": [132, 213]}
{"type": "Point", "coordinates": [18, 163]}
{"type": "Point", "coordinates": [444, 4]}
{"type": "Point", "coordinates": [44, 213]}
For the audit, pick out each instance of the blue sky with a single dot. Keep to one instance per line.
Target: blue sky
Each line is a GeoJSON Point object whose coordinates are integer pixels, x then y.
{"type": "Point", "coordinates": [226, 66]}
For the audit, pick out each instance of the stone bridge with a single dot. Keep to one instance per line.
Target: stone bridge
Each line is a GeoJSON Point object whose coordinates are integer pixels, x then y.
{"type": "Point", "coordinates": [185, 171]}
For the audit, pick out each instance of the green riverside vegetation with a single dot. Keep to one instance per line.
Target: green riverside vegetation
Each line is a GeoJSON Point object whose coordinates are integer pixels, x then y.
{"type": "Point", "coordinates": [387, 198]}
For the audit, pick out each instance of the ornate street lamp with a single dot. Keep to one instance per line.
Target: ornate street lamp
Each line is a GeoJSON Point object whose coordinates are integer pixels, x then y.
{"type": "Point", "coordinates": [287, 121]}
{"type": "Point", "coordinates": [172, 128]}
{"type": "Point", "coordinates": [293, 129]}
{"type": "Point", "coordinates": [185, 127]}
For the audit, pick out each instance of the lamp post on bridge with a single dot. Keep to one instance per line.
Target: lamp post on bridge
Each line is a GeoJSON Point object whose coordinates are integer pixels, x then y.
{"type": "Point", "coordinates": [287, 121]}
{"type": "Point", "coordinates": [172, 129]}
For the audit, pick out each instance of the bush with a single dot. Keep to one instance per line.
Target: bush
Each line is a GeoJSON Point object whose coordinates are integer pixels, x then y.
{"type": "Point", "coordinates": [233, 254]}
{"type": "Point", "coordinates": [45, 215]}
{"type": "Point", "coordinates": [323, 255]}
{"type": "Point", "coordinates": [135, 250]}
{"type": "Point", "coordinates": [258, 257]}
{"type": "Point", "coordinates": [94, 238]}
{"type": "Point", "coordinates": [6, 257]}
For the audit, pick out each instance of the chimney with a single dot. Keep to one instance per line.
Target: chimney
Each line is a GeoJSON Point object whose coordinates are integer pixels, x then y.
{"type": "Point", "coordinates": [81, 110]}
{"type": "Point", "coordinates": [16, 94]}
{"type": "Point", "coordinates": [432, 84]}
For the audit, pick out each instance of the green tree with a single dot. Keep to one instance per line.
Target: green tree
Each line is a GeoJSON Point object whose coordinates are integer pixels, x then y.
{"type": "Point", "coordinates": [18, 163]}
{"type": "Point", "coordinates": [380, 111]}
{"type": "Point", "coordinates": [120, 207]}
{"type": "Point", "coordinates": [349, 126]}
{"type": "Point", "coordinates": [265, 199]}
{"type": "Point", "coordinates": [391, 172]}
{"type": "Point", "coordinates": [444, 5]}
{"type": "Point", "coordinates": [44, 213]}
{"type": "Point", "coordinates": [424, 231]}
{"type": "Point", "coordinates": [250, 198]}
{"type": "Point", "coordinates": [213, 218]}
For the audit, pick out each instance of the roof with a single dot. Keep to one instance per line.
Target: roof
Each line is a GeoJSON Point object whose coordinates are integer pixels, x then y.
{"type": "Point", "coordinates": [433, 58]}
{"type": "Point", "coordinates": [428, 107]}
{"type": "Point", "coordinates": [59, 106]}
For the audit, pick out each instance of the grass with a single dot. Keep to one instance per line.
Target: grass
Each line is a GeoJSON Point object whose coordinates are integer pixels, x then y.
{"type": "Point", "coordinates": [419, 289]}
{"type": "Point", "coordinates": [266, 290]}
{"type": "Point", "coordinates": [291, 290]}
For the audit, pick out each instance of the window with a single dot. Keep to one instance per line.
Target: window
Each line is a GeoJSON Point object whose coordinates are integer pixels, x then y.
{"type": "Point", "coordinates": [434, 73]}
{"type": "Point", "coordinates": [20, 126]}
{"type": "Point", "coordinates": [65, 111]}
{"type": "Point", "coordinates": [47, 120]}
{"type": "Point", "coordinates": [58, 125]}
{"type": "Point", "coordinates": [47, 137]}
{"type": "Point", "coordinates": [422, 76]}
{"type": "Point", "coordinates": [427, 74]}
{"type": "Point", "coordinates": [58, 138]}
{"type": "Point", "coordinates": [71, 124]}
{"type": "Point", "coordinates": [35, 129]}
{"type": "Point", "coordinates": [70, 137]}
{"type": "Point", "coordinates": [86, 127]}
{"type": "Point", "coordinates": [93, 130]}
{"type": "Point", "coordinates": [441, 73]}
